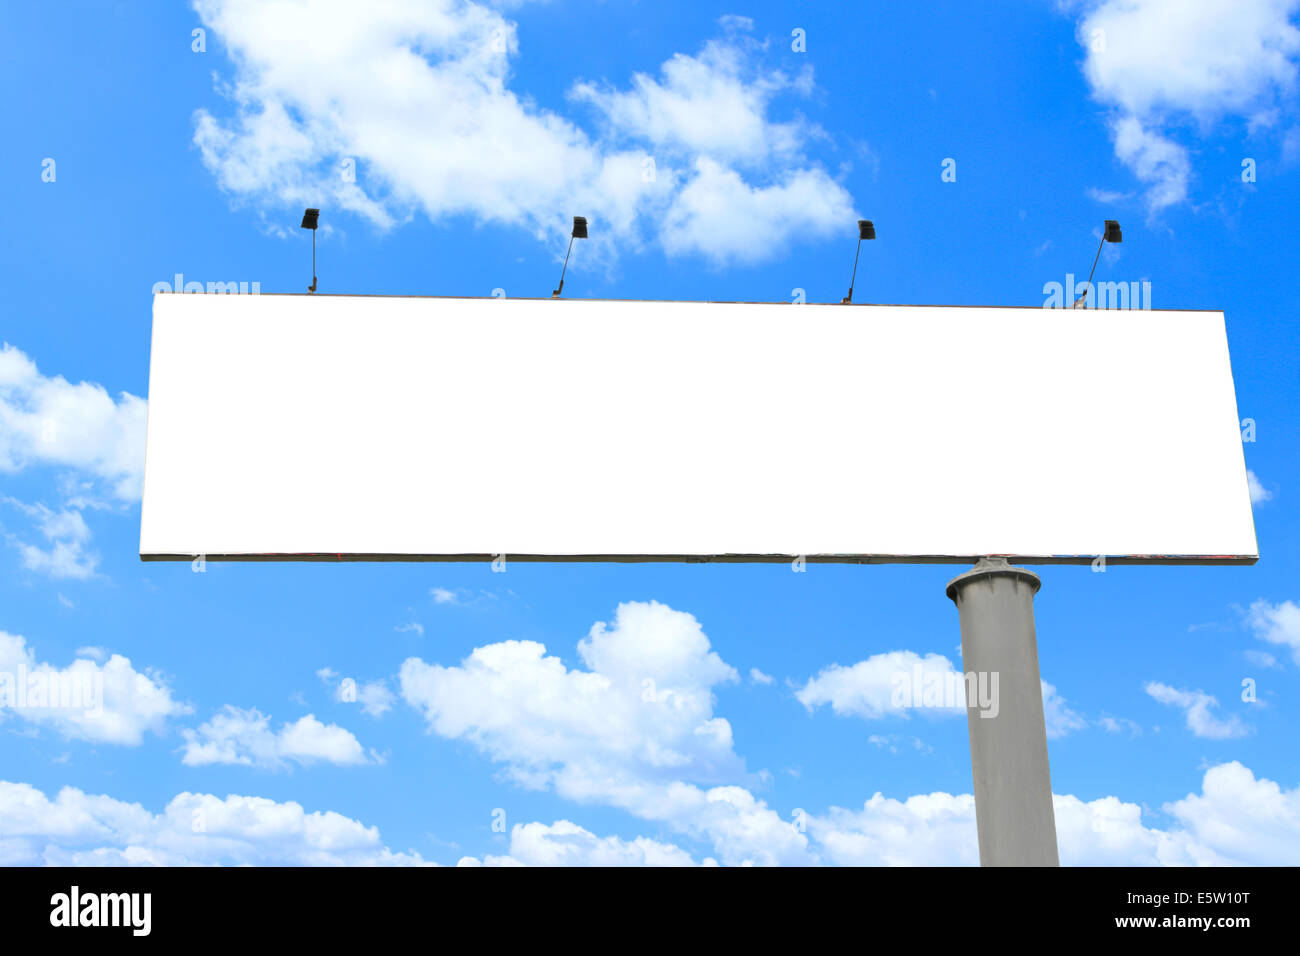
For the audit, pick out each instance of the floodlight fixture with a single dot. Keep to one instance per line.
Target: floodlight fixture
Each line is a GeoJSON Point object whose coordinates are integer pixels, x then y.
{"type": "Point", "coordinates": [1110, 233]}
{"type": "Point", "coordinates": [310, 218]}
{"type": "Point", "coordinates": [579, 232]}
{"type": "Point", "coordinates": [866, 230]}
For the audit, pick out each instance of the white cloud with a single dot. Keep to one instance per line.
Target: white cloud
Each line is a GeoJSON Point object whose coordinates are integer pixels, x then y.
{"type": "Point", "coordinates": [50, 421]}
{"type": "Point", "coordinates": [238, 736]}
{"type": "Point", "coordinates": [108, 702]}
{"type": "Point", "coordinates": [1236, 819]}
{"type": "Point", "coordinates": [414, 626]}
{"type": "Point", "coordinates": [1109, 832]}
{"type": "Point", "coordinates": [1156, 160]}
{"type": "Point", "coordinates": [868, 688]}
{"type": "Point", "coordinates": [714, 104]}
{"type": "Point", "coordinates": [936, 829]}
{"type": "Point", "coordinates": [1198, 707]}
{"type": "Point", "coordinates": [1105, 196]}
{"type": "Point", "coordinates": [443, 596]}
{"type": "Point", "coordinates": [646, 700]}
{"type": "Point", "coordinates": [1158, 63]}
{"type": "Point", "coordinates": [1205, 57]}
{"type": "Point", "coordinates": [78, 829]}
{"type": "Point", "coordinates": [1291, 147]}
{"type": "Point", "coordinates": [1261, 658]}
{"type": "Point", "coordinates": [566, 844]}
{"type": "Point", "coordinates": [68, 554]}
{"type": "Point", "coordinates": [63, 559]}
{"type": "Point", "coordinates": [1059, 717]}
{"type": "Point", "coordinates": [1258, 493]}
{"type": "Point", "coordinates": [1277, 624]}
{"type": "Point", "coordinates": [374, 696]}
{"type": "Point", "coordinates": [1119, 725]}
{"type": "Point", "coordinates": [896, 743]}
{"type": "Point", "coordinates": [419, 96]}
{"type": "Point", "coordinates": [636, 730]}
{"type": "Point", "coordinates": [717, 214]}
{"type": "Point", "coordinates": [758, 677]}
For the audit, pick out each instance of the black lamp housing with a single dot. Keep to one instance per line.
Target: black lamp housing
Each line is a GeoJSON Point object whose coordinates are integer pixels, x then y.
{"type": "Point", "coordinates": [1112, 233]}
{"type": "Point", "coordinates": [579, 227]}
{"type": "Point", "coordinates": [866, 229]}
{"type": "Point", "coordinates": [310, 218]}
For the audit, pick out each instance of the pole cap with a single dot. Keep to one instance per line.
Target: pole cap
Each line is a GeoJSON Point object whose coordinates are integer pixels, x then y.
{"type": "Point", "coordinates": [992, 567]}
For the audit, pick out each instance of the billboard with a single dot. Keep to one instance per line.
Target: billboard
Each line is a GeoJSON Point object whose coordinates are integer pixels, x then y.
{"type": "Point", "coordinates": [301, 427]}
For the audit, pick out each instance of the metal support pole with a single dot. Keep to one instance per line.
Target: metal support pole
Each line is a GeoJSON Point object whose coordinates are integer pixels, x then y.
{"type": "Point", "coordinates": [1008, 736]}
{"type": "Point", "coordinates": [556, 293]}
{"type": "Point", "coordinates": [849, 298]}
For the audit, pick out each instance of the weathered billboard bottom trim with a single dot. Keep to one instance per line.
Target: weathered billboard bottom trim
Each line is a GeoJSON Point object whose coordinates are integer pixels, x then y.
{"type": "Point", "coordinates": [1158, 559]}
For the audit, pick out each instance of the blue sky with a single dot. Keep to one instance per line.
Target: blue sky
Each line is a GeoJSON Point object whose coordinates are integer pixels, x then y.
{"type": "Point", "coordinates": [475, 132]}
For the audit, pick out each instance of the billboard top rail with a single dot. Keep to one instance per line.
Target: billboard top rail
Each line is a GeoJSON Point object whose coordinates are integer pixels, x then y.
{"type": "Point", "coordinates": [573, 299]}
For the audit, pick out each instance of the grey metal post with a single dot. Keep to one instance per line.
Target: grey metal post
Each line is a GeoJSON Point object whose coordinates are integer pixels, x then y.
{"type": "Point", "coordinates": [1008, 752]}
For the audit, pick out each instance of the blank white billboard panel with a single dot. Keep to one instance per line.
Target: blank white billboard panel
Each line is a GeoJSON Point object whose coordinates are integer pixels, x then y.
{"type": "Point", "coordinates": [296, 426]}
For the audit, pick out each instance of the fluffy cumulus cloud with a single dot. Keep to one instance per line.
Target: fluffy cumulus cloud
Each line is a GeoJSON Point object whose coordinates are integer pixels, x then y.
{"type": "Point", "coordinates": [719, 215]}
{"type": "Point", "coordinates": [105, 701]}
{"type": "Point", "coordinates": [567, 844]}
{"type": "Point", "coordinates": [1277, 624]}
{"type": "Point", "coordinates": [896, 683]}
{"type": "Point", "coordinates": [635, 729]}
{"type": "Point", "coordinates": [416, 99]}
{"type": "Point", "coordinates": [892, 683]}
{"type": "Point", "coordinates": [77, 829]}
{"type": "Point", "coordinates": [713, 104]}
{"type": "Point", "coordinates": [936, 829]}
{"type": "Point", "coordinates": [1235, 819]}
{"type": "Point", "coordinates": [1198, 709]}
{"type": "Point", "coordinates": [96, 442]}
{"type": "Point", "coordinates": [1160, 64]}
{"type": "Point", "coordinates": [50, 421]}
{"type": "Point", "coordinates": [238, 736]}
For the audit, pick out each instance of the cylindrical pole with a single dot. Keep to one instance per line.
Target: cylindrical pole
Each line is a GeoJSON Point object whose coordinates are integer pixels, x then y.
{"type": "Point", "coordinates": [1004, 713]}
